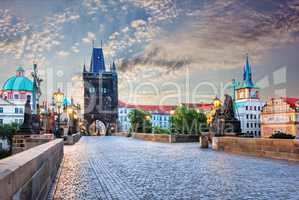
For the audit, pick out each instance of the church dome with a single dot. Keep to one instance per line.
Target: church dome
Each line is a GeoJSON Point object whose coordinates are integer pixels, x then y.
{"type": "Point", "coordinates": [18, 82]}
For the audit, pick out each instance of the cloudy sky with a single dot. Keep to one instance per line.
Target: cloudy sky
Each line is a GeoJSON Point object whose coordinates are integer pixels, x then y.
{"type": "Point", "coordinates": [167, 51]}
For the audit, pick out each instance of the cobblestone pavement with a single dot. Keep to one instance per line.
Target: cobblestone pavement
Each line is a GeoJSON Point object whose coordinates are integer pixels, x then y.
{"type": "Point", "coordinates": [125, 168]}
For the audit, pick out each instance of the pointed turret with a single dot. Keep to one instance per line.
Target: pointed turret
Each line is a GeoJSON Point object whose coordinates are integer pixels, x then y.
{"type": "Point", "coordinates": [84, 68]}
{"type": "Point", "coordinates": [113, 68]}
{"type": "Point", "coordinates": [247, 75]}
{"type": "Point", "coordinates": [97, 63]}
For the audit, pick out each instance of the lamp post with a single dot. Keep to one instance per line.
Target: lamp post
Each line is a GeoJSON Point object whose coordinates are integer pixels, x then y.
{"type": "Point", "coordinates": [172, 113]}
{"type": "Point", "coordinates": [71, 114]}
{"type": "Point", "coordinates": [58, 100]}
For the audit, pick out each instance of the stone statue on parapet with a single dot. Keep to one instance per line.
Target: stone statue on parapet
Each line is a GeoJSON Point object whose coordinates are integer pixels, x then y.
{"type": "Point", "coordinates": [228, 108]}
{"type": "Point", "coordinates": [26, 127]}
{"type": "Point", "coordinates": [223, 121]}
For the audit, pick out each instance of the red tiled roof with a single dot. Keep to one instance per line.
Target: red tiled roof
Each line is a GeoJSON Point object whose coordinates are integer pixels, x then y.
{"type": "Point", "coordinates": [165, 108]}
{"type": "Point", "coordinates": [291, 101]}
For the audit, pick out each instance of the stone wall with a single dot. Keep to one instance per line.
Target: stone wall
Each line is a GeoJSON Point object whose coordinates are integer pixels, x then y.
{"type": "Point", "coordinates": [23, 142]}
{"type": "Point", "coordinates": [29, 174]}
{"type": "Point", "coordinates": [152, 137]}
{"type": "Point", "coordinates": [263, 147]}
{"type": "Point", "coordinates": [124, 134]}
{"type": "Point", "coordinates": [166, 138]}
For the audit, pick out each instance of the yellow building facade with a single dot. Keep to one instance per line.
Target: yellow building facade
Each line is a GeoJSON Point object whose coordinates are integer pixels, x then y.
{"type": "Point", "coordinates": [281, 114]}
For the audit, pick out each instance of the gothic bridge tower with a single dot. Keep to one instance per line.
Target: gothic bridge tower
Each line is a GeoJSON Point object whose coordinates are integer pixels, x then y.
{"type": "Point", "coordinates": [100, 95]}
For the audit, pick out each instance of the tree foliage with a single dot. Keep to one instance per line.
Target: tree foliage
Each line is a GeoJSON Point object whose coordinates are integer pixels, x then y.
{"type": "Point", "coordinates": [140, 121]}
{"type": "Point", "coordinates": [7, 130]}
{"type": "Point", "coordinates": [188, 121]}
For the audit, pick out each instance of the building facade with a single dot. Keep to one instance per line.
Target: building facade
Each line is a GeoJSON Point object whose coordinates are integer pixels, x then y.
{"type": "Point", "coordinates": [248, 105]}
{"type": "Point", "coordinates": [280, 115]}
{"type": "Point", "coordinates": [100, 93]}
{"type": "Point", "coordinates": [160, 113]}
{"type": "Point", "coordinates": [13, 97]}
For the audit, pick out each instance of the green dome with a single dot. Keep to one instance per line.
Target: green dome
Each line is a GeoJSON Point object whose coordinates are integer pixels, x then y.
{"type": "Point", "coordinates": [20, 69]}
{"type": "Point", "coordinates": [18, 83]}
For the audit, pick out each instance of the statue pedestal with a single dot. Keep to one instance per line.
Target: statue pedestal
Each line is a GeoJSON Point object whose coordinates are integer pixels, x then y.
{"type": "Point", "coordinates": [226, 127]}
{"type": "Point", "coordinates": [204, 141]}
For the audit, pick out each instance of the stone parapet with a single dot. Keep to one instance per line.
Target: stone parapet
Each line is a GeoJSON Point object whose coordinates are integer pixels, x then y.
{"type": "Point", "coordinates": [29, 174]}
{"type": "Point", "coordinates": [124, 134]}
{"type": "Point", "coordinates": [23, 142]}
{"type": "Point", "coordinates": [72, 139]}
{"type": "Point", "coordinates": [271, 148]}
{"type": "Point", "coordinates": [166, 138]}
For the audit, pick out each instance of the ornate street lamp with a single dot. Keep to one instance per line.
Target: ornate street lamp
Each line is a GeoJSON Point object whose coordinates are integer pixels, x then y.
{"type": "Point", "coordinates": [216, 103]}
{"type": "Point", "coordinates": [58, 101]}
{"type": "Point", "coordinates": [147, 117]}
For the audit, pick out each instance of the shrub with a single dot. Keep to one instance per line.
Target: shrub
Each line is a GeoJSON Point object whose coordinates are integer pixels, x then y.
{"type": "Point", "coordinates": [281, 135]}
{"type": "Point", "coordinates": [159, 130]}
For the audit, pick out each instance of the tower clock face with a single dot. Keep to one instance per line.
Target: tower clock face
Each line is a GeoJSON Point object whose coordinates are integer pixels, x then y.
{"type": "Point", "coordinates": [242, 94]}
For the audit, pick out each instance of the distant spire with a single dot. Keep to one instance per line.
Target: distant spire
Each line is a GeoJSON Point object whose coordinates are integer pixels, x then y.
{"type": "Point", "coordinates": [247, 76]}
{"type": "Point", "coordinates": [93, 43]}
{"type": "Point", "coordinates": [84, 68]}
{"type": "Point", "coordinates": [113, 68]}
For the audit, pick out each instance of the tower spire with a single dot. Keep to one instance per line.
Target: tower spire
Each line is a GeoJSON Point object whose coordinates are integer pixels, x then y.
{"type": "Point", "coordinates": [247, 76]}
{"type": "Point", "coordinates": [113, 68]}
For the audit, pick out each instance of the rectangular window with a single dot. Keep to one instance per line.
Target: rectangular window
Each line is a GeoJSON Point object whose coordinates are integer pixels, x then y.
{"type": "Point", "coordinates": [16, 110]}
{"type": "Point", "coordinates": [246, 107]}
{"type": "Point", "coordinates": [1, 109]}
{"type": "Point", "coordinates": [247, 125]}
{"type": "Point", "coordinates": [1, 121]}
{"type": "Point", "coordinates": [254, 107]}
{"type": "Point", "coordinates": [21, 110]}
{"type": "Point", "coordinates": [16, 96]}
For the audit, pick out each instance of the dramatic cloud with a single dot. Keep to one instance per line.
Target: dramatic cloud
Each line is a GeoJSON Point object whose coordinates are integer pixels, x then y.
{"type": "Point", "coordinates": [150, 40]}
{"type": "Point", "coordinates": [89, 38]}
{"type": "Point", "coordinates": [210, 37]}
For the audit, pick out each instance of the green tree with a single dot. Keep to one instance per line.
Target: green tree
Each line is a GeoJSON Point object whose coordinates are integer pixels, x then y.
{"type": "Point", "coordinates": [6, 132]}
{"type": "Point", "coordinates": [188, 121]}
{"type": "Point", "coordinates": [140, 121]}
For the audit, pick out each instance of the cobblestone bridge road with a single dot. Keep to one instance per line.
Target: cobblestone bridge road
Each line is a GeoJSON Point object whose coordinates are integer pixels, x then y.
{"type": "Point", "coordinates": [124, 168]}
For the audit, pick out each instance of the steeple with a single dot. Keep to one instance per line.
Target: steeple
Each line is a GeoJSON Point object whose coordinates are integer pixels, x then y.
{"type": "Point", "coordinates": [97, 63]}
{"type": "Point", "coordinates": [247, 75]}
{"type": "Point", "coordinates": [84, 68]}
{"type": "Point", "coordinates": [113, 67]}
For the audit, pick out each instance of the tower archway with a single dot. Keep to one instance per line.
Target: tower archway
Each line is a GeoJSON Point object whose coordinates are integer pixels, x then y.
{"type": "Point", "coordinates": [97, 128]}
